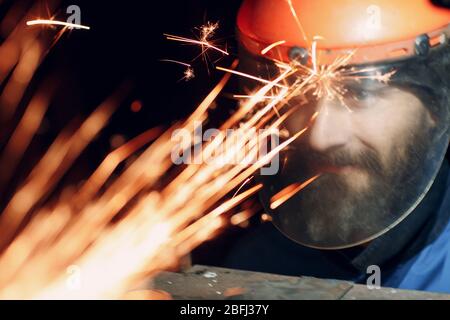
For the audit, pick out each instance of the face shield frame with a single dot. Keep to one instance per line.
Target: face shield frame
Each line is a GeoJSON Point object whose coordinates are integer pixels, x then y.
{"type": "Point", "coordinates": [422, 75]}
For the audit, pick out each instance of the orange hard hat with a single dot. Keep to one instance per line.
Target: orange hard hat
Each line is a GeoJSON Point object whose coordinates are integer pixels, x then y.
{"type": "Point", "coordinates": [379, 29]}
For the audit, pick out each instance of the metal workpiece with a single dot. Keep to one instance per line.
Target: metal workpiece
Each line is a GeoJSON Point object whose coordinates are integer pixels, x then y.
{"type": "Point", "coordinates": [214, 283]}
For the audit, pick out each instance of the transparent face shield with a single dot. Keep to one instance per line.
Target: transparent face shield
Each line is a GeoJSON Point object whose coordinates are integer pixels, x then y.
{"type": "Point", "coordinates": [369, 155]}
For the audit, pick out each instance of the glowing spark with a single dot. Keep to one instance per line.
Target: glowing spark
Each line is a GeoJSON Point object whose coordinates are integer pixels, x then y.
{"type": "Point", "coordinates": [188, 74]}
{"type": "Point", "coordinates": [288, 192]}
{"type": "Point", "coordinates": [328, 81]}
{"type": "Point", "coordinates": [176, 61]}
{"type": "Point", "coordinates": [314, 52]}
{"type": "Point", "coordinates": [297, 20]}
{"type": "Point", "coordinates": [246, 96]}
{"type": "Point", "coordinates": [198, 42]}
{"type": "Point", "coordinates": [208, 30]}
{"type": "Point", "coordinates": [246, 75]}
{"type": "Point", "coordinates": [240, 219]}
{"type": "Point", "coordinates": [271, 46]}
{"type": "Point", "coordinates": [243, 184]}
{"type": "Point", "coordinates": [136, 106]}
{"type": "Point", "coordinates": [204, 41]}
{"type": "Point", "coordinates": [58, 23]}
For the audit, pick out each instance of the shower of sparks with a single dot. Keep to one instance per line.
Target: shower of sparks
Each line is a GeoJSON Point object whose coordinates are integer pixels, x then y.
{"type": "Point", "coordinates": [246, 96]}
{"type": "Point", "coordinates": [79, 229]}
{"type": "Point", "coordinates": [204, 40]}
{"type": "Point", "coordinates": [177, 62]}
{"type": "Point", "coordinates": [44, 232]}
{"type": "Point", "coordinates": [329, 81]}
{"type": "Point", "coordinates": [56, 23]}
{"type": "Point", "coordinates": [322, 81]}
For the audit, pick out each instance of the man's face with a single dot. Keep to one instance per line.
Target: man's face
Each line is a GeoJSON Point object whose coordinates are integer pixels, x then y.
{"type": "Point", "coordinates": [366, 152]}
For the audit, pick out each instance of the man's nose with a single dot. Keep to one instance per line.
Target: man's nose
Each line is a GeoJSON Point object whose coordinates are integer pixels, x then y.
{"type": "Point", "coordinates": [331, 127]}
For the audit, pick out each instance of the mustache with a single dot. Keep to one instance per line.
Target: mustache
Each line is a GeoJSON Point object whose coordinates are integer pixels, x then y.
{"type": "Point", "coordinates": [367, 159]}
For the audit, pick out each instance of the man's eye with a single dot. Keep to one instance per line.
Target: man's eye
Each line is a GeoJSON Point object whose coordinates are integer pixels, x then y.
{"type": "Point", "coordinates": [357, 94]}
{"type": "Point", "coordinates": [360, 99]}
{"type": "Point", "coordinates": [361, 95]}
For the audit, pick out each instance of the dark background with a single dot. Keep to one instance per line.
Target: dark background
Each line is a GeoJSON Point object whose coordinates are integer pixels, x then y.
{"type": "Point", "coordinates": [126, 42]}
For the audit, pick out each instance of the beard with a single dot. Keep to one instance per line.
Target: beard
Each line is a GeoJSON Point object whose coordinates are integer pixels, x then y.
{"type": "Point", "coordinates": [337, 208]}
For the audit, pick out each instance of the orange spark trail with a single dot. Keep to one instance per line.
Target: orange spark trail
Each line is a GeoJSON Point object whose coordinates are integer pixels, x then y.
{"type": "Point", "coordinates": [193, 41]}
{"type": "Point", "coordinates": [297, 20]}
{"type": "Point", "coordinates": [243, 184]}
{"type": "Point", "coordinates": [246, 75]}
{"type": "Point", "coordinates": [188, 72]}
{"type": "Point", "coordinates": [288, 192]}
{"type": "Point", "coordinates": [271, 46]}
{"type": "Point", "coordinates": [246, 96]}
{"type": "Point", "coordinates": [176, 61]}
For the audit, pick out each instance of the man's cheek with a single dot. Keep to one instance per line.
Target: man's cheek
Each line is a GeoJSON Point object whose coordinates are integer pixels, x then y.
{"type": "Point", "coordinates": [358, 180]}
{"type": "Point", "coordinates": [395, 155]}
